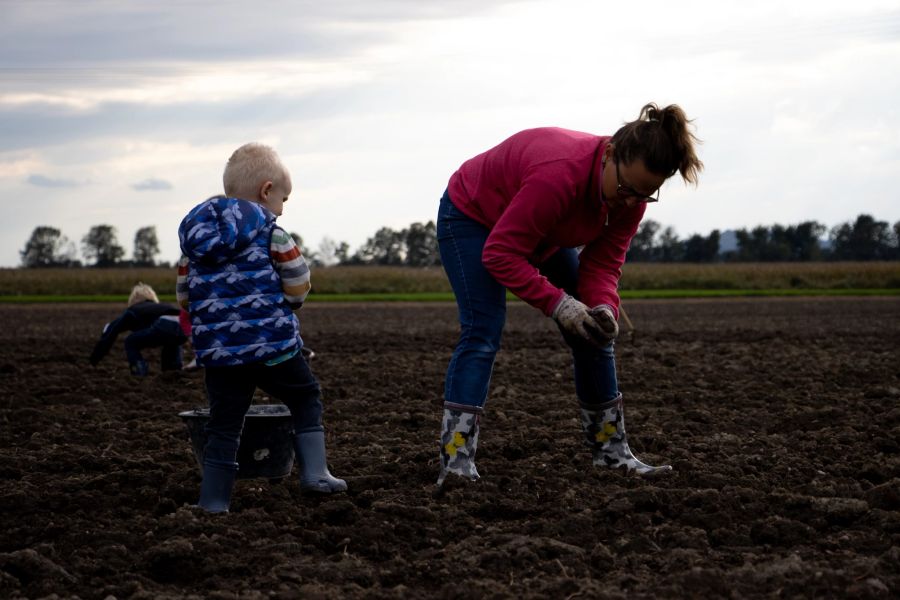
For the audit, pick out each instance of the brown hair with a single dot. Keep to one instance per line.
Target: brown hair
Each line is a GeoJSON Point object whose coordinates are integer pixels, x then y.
{"type": "Point", "coordinates": [661, 138]}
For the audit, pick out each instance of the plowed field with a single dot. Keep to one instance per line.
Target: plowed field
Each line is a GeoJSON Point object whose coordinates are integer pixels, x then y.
{"type": "Point", "coordinates": [780, 417]}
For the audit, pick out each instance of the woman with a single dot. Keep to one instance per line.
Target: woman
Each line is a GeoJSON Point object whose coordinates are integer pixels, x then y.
{"type": "Point", "coordinates": [513, 218]}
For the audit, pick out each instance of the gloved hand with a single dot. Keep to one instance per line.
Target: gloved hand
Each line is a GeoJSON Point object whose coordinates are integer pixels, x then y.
{"type": "Point", "coordinates": [606, 318]}
{"type": "Point", "coordinates": [575, 318]}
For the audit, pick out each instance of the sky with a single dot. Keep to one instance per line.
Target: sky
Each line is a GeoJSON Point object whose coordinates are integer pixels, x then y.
{"type": "Point", "coordinates": [124, 113]}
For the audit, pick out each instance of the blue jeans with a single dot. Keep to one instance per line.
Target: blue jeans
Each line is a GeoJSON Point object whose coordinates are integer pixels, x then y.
{"type": "Point", "coordinates": [166, 333]}
{"type": "Point", "coordinates": [482, 314]}
{"type": "Point", "coordinates": [230, 391]}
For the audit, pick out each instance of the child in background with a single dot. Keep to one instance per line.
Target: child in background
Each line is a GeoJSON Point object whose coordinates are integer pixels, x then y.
{"type": "Point", "coordinates": [153, 323]}
{"type": "Point", "coordinates": [241, 278]}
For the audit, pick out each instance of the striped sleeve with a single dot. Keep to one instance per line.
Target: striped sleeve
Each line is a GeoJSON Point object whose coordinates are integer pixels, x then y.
{"type": "Point", "coordinates": [181, 287]}
{"type": "Point", "coordinates": [291, 267]}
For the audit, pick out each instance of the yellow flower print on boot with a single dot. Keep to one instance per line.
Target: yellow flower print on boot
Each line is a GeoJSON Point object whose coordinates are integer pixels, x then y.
{"type": "Point", "coordinates": [459, 442]}
{"type": "Point", "coordinates": [606, 431]}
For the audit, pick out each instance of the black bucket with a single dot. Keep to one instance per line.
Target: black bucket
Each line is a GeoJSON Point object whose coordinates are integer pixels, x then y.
{"type": "Point", "coordinates": [266, 449]}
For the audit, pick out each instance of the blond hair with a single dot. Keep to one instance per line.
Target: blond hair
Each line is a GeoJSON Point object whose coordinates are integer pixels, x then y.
{"type": "Point", "coordinates": [661, 137]}
{"type": "Point", "coordinates": [249, 167]}
{"type": "Point", "coordinates": [141, 292]}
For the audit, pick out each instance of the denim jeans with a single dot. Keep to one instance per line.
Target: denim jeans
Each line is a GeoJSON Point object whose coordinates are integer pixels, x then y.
{"type": "Point", "coordinates": [482, 313]}
{"type": "Point", "coordinates": [230, 391]}
{"type": "Point", "coordinates": [164, 332]}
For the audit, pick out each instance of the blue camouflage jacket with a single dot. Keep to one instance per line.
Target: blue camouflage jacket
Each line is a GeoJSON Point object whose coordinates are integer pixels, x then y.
{"type": "Point", "coordinates": [237, 307]}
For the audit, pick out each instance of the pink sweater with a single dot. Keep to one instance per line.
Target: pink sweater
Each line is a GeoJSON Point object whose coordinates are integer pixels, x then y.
{"type": "Point", "coordinates": [539, 191]}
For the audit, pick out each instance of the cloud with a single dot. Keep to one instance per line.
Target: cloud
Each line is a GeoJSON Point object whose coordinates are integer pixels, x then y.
{"type": "Point", "coordinates": [50, 182]}
{"type": "Point", "coordinates": [86, 36]}
{"type": "Point", "coordinates": [151, 185]}
{"type": "Point", "coordinates": [103, 101]}
{"type": "Point", "coordinates": [31, 127]}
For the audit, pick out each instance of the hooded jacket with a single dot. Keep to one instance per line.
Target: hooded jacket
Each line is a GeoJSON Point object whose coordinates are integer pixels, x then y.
{"type": "Point", "coordinates": [236, 301]}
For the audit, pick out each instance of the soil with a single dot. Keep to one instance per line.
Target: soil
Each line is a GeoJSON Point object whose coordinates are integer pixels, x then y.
{"type": "Point", "coordinates": [781, 419]}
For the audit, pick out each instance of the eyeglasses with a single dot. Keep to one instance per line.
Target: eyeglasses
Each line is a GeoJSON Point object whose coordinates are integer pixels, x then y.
{"type": "Point", "coordinates": [624, 191]}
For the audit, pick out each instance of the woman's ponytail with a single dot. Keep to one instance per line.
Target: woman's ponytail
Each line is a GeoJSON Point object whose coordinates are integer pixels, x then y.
{"type": "Point", "coordinates": [662, 138]}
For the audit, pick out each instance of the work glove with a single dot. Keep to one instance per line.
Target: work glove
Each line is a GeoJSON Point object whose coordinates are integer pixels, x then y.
{"type": "Point", "coordinates": [606, 318]}
{"type": "Point", "coordinates": [576, 319]}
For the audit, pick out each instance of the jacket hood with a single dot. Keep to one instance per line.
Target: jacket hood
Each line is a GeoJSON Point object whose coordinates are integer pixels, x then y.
{"type": "Point", "coordinates": [220, 228]}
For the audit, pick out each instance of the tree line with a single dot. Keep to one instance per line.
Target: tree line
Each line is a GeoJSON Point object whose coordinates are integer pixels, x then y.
{"type": "Point", "coordinates": [863, 239]}
{"type": "Point", "coordinates": [48, 247]}
{"type": "Point", "coordinates": [416, 246]}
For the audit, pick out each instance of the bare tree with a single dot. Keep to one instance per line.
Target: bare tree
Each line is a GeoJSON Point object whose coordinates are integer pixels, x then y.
{"type": "Point", "coordinates": [327, 255]}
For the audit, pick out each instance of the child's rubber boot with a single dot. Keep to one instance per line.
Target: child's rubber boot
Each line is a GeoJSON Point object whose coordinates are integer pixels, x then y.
{"type": "Point", "coordinates": [459, 441]}
{"type": "Point", "coordinates": [218, 481]}
{"type": "Point", "coordinates": [139, 368]}
{"type": "Point", "coordinates": [604, 431]}
{"type": "Point", "coordinates": [309, 446]}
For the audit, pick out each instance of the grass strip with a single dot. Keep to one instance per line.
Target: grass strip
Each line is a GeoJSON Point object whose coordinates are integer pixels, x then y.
{"type": "Point", "coordinates": [771, 293]}
{"type": "Point", "coordinates": [448, 297]}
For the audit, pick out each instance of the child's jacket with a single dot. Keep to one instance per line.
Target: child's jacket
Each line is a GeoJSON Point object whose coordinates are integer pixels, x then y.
{"type": "Point", "coordinates": [236, 301]}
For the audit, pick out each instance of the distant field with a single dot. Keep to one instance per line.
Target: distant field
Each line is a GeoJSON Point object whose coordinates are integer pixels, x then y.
{"type": "Point", "coordinates": [762, 276]}
{"type": "Point", "coordinates": [116, 282]}
{"type": "Point", "coordinates": [344, 283]}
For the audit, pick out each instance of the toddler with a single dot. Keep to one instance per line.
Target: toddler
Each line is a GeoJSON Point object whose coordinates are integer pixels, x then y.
{"type": "Point", "coordinates": [240, 279]}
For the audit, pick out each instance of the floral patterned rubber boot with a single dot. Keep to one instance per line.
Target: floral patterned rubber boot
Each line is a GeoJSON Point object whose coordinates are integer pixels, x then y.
{"type": "Point", "coordinates": [459, 441]}
{"type": "Point", "coordinates": [604, 431]}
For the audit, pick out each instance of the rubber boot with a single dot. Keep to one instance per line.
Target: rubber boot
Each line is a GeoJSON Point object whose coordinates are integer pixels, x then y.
{"type": "Point", "coordinates": [218, 481]}
{"type": "Point", "coordinates": [309, 446]}
{"type": "Point", "coordinates": [459, 441]}
{"type": "Point", "coordinates": [139, 368]}
{"type": "Point", "coordinates": [604, 431]}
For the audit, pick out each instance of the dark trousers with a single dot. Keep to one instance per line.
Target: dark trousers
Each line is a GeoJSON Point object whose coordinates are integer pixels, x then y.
{"type": "Point", "coordinates": [230, 391]}
{"type": "Point", "coordinates": [165, 333]}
